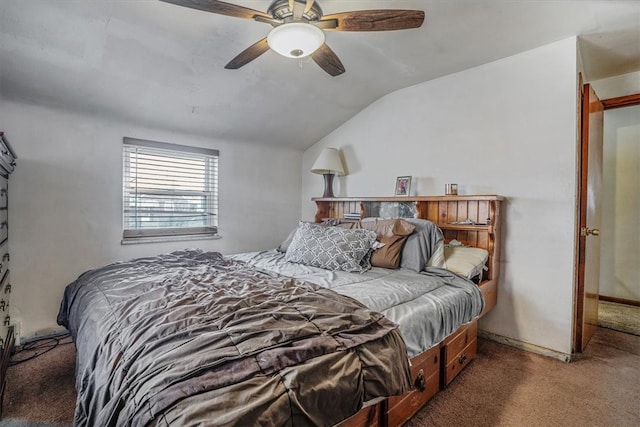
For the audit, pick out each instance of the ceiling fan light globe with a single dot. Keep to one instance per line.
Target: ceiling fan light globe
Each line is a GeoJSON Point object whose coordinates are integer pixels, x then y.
{"type": "Point", "coordinates": [295, 39]}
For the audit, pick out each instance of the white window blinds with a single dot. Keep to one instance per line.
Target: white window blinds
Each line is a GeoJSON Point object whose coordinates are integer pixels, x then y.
{"type": "Point", "coordinates": [169, 190]}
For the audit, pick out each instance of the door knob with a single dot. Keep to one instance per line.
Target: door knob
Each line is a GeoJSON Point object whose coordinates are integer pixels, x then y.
{"type": "Point", "coordinates": [586, 231]}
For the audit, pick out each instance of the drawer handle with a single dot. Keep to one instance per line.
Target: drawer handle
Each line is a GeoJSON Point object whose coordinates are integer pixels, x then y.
{"type": "Point", "coordinates": [4, 224]}
{"type": "Point", "coordinates": [463, 358]}
{"type": "Point", "coordinates": [420, 383]}
{"type": "Point", "coordinates": [5, 257]}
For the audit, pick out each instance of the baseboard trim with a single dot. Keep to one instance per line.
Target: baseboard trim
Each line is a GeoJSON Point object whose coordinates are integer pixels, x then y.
{"type": "Point", "coordinates": [619, 300]}
{"type": "Point", "coordinates": [52, 335]}
{"type": "Point", "coordinates": [525, 346]}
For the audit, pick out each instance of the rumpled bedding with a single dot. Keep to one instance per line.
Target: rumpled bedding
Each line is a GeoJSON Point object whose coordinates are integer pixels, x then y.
{"type": "Point", "coordinates": [193, 338]}
{"type": "Point", "coordinates": [428, 306]}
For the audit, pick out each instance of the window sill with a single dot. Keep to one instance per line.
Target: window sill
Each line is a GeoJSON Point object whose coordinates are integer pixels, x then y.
{"type": "Point", "coordinates": [161, 239]}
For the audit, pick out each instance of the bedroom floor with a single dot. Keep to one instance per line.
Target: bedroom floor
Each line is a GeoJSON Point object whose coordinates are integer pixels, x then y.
{"type": "Point", "coordinates": [619, 317]}
{"type": "Point", "coordinates": [504, 386]}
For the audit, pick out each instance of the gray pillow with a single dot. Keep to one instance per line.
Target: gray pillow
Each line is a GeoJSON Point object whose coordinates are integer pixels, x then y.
{"type": "Point", "coordinates": [285, 245]}
{"type": "Point", "coordinates": [421, 245]}
{"type": "Point", "coordinates": [331, 248]}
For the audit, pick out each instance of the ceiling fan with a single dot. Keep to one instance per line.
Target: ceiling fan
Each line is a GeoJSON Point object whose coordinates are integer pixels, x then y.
{"type": "Point", "coordinates": [299, 25]}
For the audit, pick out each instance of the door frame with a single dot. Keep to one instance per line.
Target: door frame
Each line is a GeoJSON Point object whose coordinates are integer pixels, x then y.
{"type": "Point", "coordinates": [579, 295]}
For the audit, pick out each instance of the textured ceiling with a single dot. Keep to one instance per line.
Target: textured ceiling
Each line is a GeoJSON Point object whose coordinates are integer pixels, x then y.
{"type": "Point", "coordinates": [161, 65]}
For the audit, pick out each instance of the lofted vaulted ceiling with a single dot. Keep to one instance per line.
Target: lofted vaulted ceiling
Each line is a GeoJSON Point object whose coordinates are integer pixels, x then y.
{"type": "Point", "coordinates": [161, 65]}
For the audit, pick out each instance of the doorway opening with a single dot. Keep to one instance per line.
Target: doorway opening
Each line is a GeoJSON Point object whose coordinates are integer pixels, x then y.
{"type": "Point", "coordinates": [619, 299]}
{"type": "Point", "coordinates": [591, 129]}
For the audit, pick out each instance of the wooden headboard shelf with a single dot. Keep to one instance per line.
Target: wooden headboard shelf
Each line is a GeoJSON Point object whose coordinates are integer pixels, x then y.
{"type": "Point", "coordinates": [445, 211]}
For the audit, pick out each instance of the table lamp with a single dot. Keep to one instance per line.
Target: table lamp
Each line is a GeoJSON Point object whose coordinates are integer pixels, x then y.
{"type": "Point", "coordinates": [328, 164]}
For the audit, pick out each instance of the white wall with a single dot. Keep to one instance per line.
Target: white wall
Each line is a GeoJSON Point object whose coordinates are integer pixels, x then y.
{"type": "Point", "coordinates": [507, 128]}
{"type": "Point", "coordinates": [65, 202]}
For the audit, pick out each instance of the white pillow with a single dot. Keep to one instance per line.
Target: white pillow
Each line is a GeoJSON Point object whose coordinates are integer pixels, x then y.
{"type": "Point", "coordinates": [437, 258]}
{"type": "Point", "coordinates": [466, 261]}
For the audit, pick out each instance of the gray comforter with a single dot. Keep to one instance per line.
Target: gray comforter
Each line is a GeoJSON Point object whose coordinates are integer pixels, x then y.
{"type": "Point", "coordinates": [192, 338]}
{"type": "Point", "coordinates": [428, 306]}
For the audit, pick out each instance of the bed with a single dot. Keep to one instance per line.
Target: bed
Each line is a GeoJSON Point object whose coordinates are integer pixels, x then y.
{"type": "Point", "coordinates": [193, 337]}
{"type": "Point", "coordinates": [471, 220]}
{"type": "Point", "coordinates": [470, 224]}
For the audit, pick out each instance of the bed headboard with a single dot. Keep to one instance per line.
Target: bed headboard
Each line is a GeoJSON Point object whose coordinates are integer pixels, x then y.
{"type": "Point", "coordinates": [482, 213]}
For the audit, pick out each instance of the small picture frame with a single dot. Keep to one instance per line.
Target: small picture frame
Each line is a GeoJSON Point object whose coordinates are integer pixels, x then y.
{"type": "Point", "coordinates": [403, 185]}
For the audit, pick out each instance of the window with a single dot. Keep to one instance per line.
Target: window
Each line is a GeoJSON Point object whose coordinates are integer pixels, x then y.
{"type": "Point", "coordinates": [168, 190]}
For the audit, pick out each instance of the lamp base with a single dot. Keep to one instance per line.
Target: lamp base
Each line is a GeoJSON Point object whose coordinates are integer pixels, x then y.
{"type": "Point", "coordinates": [328, 185]}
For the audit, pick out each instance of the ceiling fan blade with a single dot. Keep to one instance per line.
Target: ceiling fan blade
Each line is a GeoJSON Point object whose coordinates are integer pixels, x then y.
{"type": "Point", "coordinates": [248, 55]}
{"type": "Point", "coordinates": [377, 20]}
{"type": "Point", "coordinates": [308, 6]}
{"type": "Point", "coordinates": [220, 8]}
{"type": "Point", "coordinates": [299, 11]}
{"type": "Point", "coordinates": [328, 60]}
{"type": "Point", "coordinates": [331, 24]}
{"type": "Point", "coordinates": [296, 12]}
{"type": "Point", "coordinates": [271, 21]}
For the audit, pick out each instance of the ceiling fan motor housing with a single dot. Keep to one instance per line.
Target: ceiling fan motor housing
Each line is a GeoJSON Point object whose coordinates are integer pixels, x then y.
{"type": "Point", "coordinates": [280, 9]}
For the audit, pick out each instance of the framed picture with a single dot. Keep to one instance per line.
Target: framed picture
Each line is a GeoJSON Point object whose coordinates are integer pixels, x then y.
{"type": "Point", "coordinates": [403, 184]}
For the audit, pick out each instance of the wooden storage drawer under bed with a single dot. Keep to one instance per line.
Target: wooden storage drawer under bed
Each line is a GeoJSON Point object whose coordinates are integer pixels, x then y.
{"type": "Point", "coordinates": [425, 374]}
{"type": "Point", "coordinates": [457, 351]}
{"type": "Point", "coordinates": [366, 417]}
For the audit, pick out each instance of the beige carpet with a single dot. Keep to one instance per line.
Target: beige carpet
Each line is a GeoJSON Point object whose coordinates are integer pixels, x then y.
{"type": "Point", "coordinates": [619, 317]}
{"type": "Point", "coordinates": [509, 387]}
{"type": "Point", "coordinates": [504, 386]}
{"type": "Point", "coordinates": [42, 390]}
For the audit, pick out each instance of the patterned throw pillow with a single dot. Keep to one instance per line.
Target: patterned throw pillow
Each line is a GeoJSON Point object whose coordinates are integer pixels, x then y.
{"type": "Point", "coordinates": [331, 248]}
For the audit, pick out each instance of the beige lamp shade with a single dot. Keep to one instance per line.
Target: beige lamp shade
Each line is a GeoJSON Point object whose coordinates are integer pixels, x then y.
{"type": "Point", "coordinates": [328, 162]}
